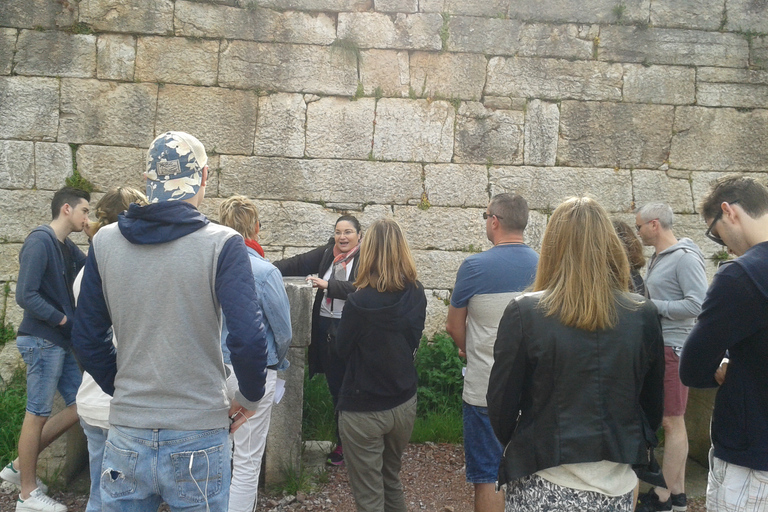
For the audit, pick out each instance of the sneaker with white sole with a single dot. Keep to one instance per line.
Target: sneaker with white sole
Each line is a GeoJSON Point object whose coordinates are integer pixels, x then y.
{"type": "Point", "coordinates": [12, 475]}
{"type": "Point", "coordinates": [39, 502]}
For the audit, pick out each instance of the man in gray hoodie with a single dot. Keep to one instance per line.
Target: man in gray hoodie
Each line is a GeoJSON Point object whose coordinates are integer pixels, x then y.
{"type": "Point", "coordinates": [676, 282]}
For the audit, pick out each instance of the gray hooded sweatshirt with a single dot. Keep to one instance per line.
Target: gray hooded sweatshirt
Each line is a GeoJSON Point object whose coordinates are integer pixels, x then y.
{"type": "Point", "coordinates": [677, 282]}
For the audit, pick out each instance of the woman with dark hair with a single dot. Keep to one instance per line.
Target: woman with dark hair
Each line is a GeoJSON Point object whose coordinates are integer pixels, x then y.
{"type": "Point", "coordinates": [378, 336]}
{"type": "Point", "coordinates": [634, 249]}
{"type": "Point", "coordinates": [576, 390]}
{"type": "Point", "coordinates": [336, 267]}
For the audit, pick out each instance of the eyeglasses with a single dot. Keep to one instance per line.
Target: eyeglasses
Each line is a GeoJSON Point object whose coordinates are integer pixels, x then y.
{"type": "Point", "coordinates": [487, 215]}
{"type": "Point", "coordinates": [718, 216]}
{"type": "Point", "coordinates": [638, 228]}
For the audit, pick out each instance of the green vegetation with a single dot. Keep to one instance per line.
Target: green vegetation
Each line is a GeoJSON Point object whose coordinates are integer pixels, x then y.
{"type": "Point", "coordinates": [720, 257]}
{"type": "Point", "coordinates": [77, 180]}
{"type": "Point", "coordinates": [6, 329]}
{"type": "Point", "coordinates": [348, 49]}
{"type": "Point", "coordinates": [618, 11]}
{"type": "Point", "coordinates": [81, 28]}
{"type": "Point", "coordinates": [445, 30]}
{"type": "Point", "coordinates": [13, 401]}
{"type": "Point", "coordinates": [359, 92]}
{"type": "Point", "coordinates": [424, 203]}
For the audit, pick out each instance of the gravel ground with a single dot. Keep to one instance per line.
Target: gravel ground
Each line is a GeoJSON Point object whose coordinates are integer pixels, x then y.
{"type": "Point", "coordinates": [432, 474]}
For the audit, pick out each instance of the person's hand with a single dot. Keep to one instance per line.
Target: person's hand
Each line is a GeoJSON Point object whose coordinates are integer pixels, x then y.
{"type": "Point", "coordinates": [239, 415]}
{"type": "Point", "coordinates": [720, 372]}
{"type": "Point", "coordinates": [63, 320]}
{"type": "Point", "coordinates": [317, 282]}
{"type": "Point", "coordinates": [462, 354]}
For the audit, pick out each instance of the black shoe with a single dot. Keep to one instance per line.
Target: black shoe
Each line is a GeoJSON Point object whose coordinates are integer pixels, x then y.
{"type": "Point", "coordinates": [679, 502]}
{"type": "Point", "coordinates": [649, 502]}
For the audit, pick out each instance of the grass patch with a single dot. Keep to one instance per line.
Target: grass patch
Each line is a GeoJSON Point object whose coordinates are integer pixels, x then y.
{"type": "Point", "coordinates": [445, 426]}
{"type": "Point", "coordinates": [13, 401]}
{"type": "Point", "coordinates": [319, 420]}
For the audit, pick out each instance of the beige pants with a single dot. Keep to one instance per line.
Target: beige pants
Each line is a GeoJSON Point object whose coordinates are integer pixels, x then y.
{"type": "Point", "coordinates": [374, 443]}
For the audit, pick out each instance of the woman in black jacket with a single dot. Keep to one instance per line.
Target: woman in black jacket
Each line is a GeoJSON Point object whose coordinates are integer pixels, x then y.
{"type": "Point", "coordinates": [576, 389]}
{"type": "Point", "coordinates": [336, 267]}
{"type": "Point", "coordinates": [378, 336]}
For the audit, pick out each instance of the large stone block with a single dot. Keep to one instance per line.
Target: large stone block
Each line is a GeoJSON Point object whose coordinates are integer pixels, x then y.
{"type": "Point", "coordinates": [614, 134]}
{"type": "Point", "coordinates": [542, 123]}
{"type": "Point", "coordinates": [744, 88]}
{"type": "Point", "coordinates": [55, 53]}
{"type": "Point", "coordinates": [53, 165]}
{"type": "Point", "coordinates": [672, 46]}
{"type": "Point", "coordinates": [320, 180]}
{"type": "Point", "coordinates": [663, 187]}
{"type": "Point", "coordinates": [7, 47]}
{"type": "Point", "coordinates": [456, 185]}
{"type": "Point", "coordinates": [401, 31]}
{"type": "Point", "coordinates": [534, 232]}
{"type": "Point", "coordinates": [191, 109]}
{"type": "Point", "coordinates": [696, 14]}
{"type": "Point", "coordinates": [116, 57]}
{"type": "Point", "coordinates": [586, 11]}
{"type": "Point", "coordinates": [107, 167]}
{"type": "Point", "coordinates": [136, 16]}
{"type": "Point", "coordinates": [22, 211]}
{"type": "Point", "coordinates": [701, 182]}
{"type": "Point", "coordinates": [17, 164]}
{"type": "Point", "coordinates": [177, 60]}
{"type": "Point", "coordinates": [758, 52]}
{"type": "Point", "coordinates": [747, 15]}
{"type": "Point", "coordinates": [450, 229]}
{"type": "Point", "coordinates": [545, 189]}
{"type": "Point", "coordinates": [720, 139]}
{"type": "Point", "coordinates": [659, 84]}
{"type": "Point", "coordinates": [14, 313]}
{"type": "Point", "coordinates": [311, 5]}
{"type": "Point", "coordinates": [339, 128]}
{"type": "Point", "coordinates": [281, 226]}
{"type": "Point", "coordinates": [30, 108]}
{"type": "Point", "coordinates": [288, 68]}
{"type": "Point", "coordinates": [488, 36]}
{"type": "Point", "coordinates": [94, 112]}
{"type": "Point", "coordinates": [437, 269]}
{"type": "Point", "coordinates": [406, 6]}
{"type": "Point", "coordinates": [280, 125]}
{"type": "Point", "coordinates": [448, 75]}
{"type": "Point", "coordinates": [388, 70]}
{"type": "Point", "coordinates": [558, 41]}
{"type": "Point", "coordinates": [195, 19]}
{"type": "Point", "coordinates": [437, 312]}
{"type": "Point", "coordinates": [485, 135]}
{"type": "Point", "coordinates": [37, 13]}
{"type": "Point", "coordinates": [414, 130]}
{"type": "Point", "coordinates": [10, 358]}
{"type": "Point", "coordinates": [553, 79]}
{"type": "Point", "coordinates": [484, 8]}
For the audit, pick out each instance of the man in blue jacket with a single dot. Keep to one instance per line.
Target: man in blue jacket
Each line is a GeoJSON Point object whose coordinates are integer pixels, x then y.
{"type": "Point", "coordinates": [161, 277]}
{"type": "Point", "coordinates": [734, 323]}
{"type": "Point", "coordinates": [48, 264]}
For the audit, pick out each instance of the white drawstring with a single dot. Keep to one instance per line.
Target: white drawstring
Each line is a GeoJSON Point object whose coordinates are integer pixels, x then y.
{"type": "Point", "coordinates": [207, 474]}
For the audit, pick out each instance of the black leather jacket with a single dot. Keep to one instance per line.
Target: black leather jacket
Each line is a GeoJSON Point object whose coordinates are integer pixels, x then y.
{"type": "Point", "coordinates": [560, 395]}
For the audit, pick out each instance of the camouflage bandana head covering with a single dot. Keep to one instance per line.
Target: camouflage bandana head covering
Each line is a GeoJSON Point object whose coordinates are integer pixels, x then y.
{"type": "Point", "coordinates": [175, 163]}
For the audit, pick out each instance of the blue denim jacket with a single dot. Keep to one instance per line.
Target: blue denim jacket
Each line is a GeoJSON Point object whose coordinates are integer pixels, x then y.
{"type": "Point", "coordinates": [277, 311]}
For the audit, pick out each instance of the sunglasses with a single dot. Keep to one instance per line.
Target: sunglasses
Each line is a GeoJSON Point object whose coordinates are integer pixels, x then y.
{"type": "Point", "coordinates": [487, 215]}
{"type": "Point", "coordinates": [718, 216]}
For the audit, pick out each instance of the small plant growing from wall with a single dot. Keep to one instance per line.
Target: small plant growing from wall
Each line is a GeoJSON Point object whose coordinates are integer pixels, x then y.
{"type": "Point", "coordinates": [77, 180]}
{"type": "Point", "coordinates": [720, 257]}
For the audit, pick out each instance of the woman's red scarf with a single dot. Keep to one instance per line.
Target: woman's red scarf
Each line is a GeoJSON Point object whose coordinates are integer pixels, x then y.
{"type": "Point", "coordinates": [253, 244]}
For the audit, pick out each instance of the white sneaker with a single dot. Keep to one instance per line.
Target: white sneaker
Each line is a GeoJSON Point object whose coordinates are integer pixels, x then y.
{"type": "Point", "coordinates": [39, 502]}
{"type": "Point", "coordinates": [10, 474]}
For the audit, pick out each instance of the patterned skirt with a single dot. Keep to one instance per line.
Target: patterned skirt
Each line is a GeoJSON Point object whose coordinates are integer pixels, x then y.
{"type": "Point", "coordinates": [535, 494]}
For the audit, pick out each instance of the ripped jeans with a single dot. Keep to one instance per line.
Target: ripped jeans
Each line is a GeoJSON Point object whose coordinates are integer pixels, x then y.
{"type": "Point", "coordinates": [189, 470]}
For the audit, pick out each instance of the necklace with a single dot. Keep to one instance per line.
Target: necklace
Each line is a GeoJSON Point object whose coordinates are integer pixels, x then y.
{"type": "Point", "coordinates": [509, 243]}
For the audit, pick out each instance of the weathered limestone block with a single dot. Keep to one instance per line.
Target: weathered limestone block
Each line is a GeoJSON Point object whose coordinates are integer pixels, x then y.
{"type": "Point", "coordinates": [177, 60]}
{"type": "Point", "coordinates": [195, 19]}
{"type": "Point", "coordinates": [696, 14]}
{"type": "Point", "coordinates": [659, 84]}
{"type": "Point", "coordinates": [280, 125]}
{"type": "Point", "coordinates": [448, 75]}
{"type": "Point", "coordinates": [53, 164]}
{"type": "Point", "coordinates": [587, 11]}
{"type": "Point", "coordinates": [14, 313]}
{"type": "Point", "coordinates": [558, 41]}
{"type": "Point", "coordinates": [489, 36]}
{"type": "Point", "coordinates": [135, 16]}
{"type": "Point", "coordinates": [339, 128]}
{"type": "Point", "coordinates": [414, 130]}
{"type": "Point", "coordinates": [672, 46]}
{"type": "Point", "coordinates": [542, 122]}
{"type": "Point", "coordinates": [747, 16]}
{"type": "Point", "coordinates": [484, 135]}
{"type": "Point", "coordinates": [23, 210]}
{"type": "Point", "coordinates": [501, 102]}
{"type": "Point", "coordinates": [450, 229]}
{"type": "Point", "coordinates": [404, 32]}
{"type": "Point", "coordinates": [545, 189]}
{"type": "Point", "coordinates": [694, 227]}
{"type": "Point", "coordinates": [554, 79]}
{"type": "Point", "coordinates": [10, 358]}
{"type": "Point", "coordinates": [698, 415]}
{"type": "Point", "coordinates": [107, 167]}
{"type": "Point", "coordinates": [191, 109]}
{"type": "Point", "coordinates": [320, 180]}
{"type": "Point", "coordinates": [437, 311]}
{"type": "Point", "coordinates": [720, 139]}
{"type": "Point", "coordinates": [387, 69]}
{"type": "Point", "coordinates": [614, 134]}
{"type": "Point", "coordinates": [17, 160]}
{"type": "Point", "coordinates": [534, 232]}
{"type": "Point", "coordinates": [406, 6]}
{"type": "Point", "coordinates": [486, 8]}
{"type": "Point", "coordinates": [30, 108]}
{"type": "Point", "coordinates": [37, 13]}
{"type": "Point", "coordinates": [719, 87]}
{"type": "Point", "coordinates": [281, 227]}
{"type": "Point", "coordinates": [456, 185]}
{"type": "Point", "coordinates": [55, 53]}
{"type": "Point", "coordinates": [7, 47]}
{"type": "Point", "coordinates": [437, 269]}
{"type": "Point", "coordinates": [700, 183]}
{"type": "Point", "coordinates": [116, 57]}
{"type": "Point", "coordinates": [312, 5]}
{"type": "Point", "coordinates": [662, 187]}
{"type": "Point", "coordinates": [94, 112]}
{"type": "Point", "coordinates": [288, 68]}
{"type": "Point", "coordinates": [758, 52]}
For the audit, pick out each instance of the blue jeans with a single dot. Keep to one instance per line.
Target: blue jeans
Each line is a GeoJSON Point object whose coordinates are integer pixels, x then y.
{"type": "Point", "coordinates": [482, 451]}
{"type": "Point", "coordinates": [49, 367]}
{"type": "Point", "coordinates": [96, 437]}
{"type": "Point", "coordinates": [189, 470]}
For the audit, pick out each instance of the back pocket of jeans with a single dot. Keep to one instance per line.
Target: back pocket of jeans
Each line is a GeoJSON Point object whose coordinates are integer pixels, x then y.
{"type": "Point", "coordinates": [118, 476]}
{"type": "Point", "coordinates": [199, 473]}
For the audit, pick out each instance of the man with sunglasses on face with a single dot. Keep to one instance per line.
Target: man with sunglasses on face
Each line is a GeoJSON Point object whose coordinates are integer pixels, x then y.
{"type": "Point", "coordinates": [734, 321]}
{"type": "Point", "coordinates": [676, 282]}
